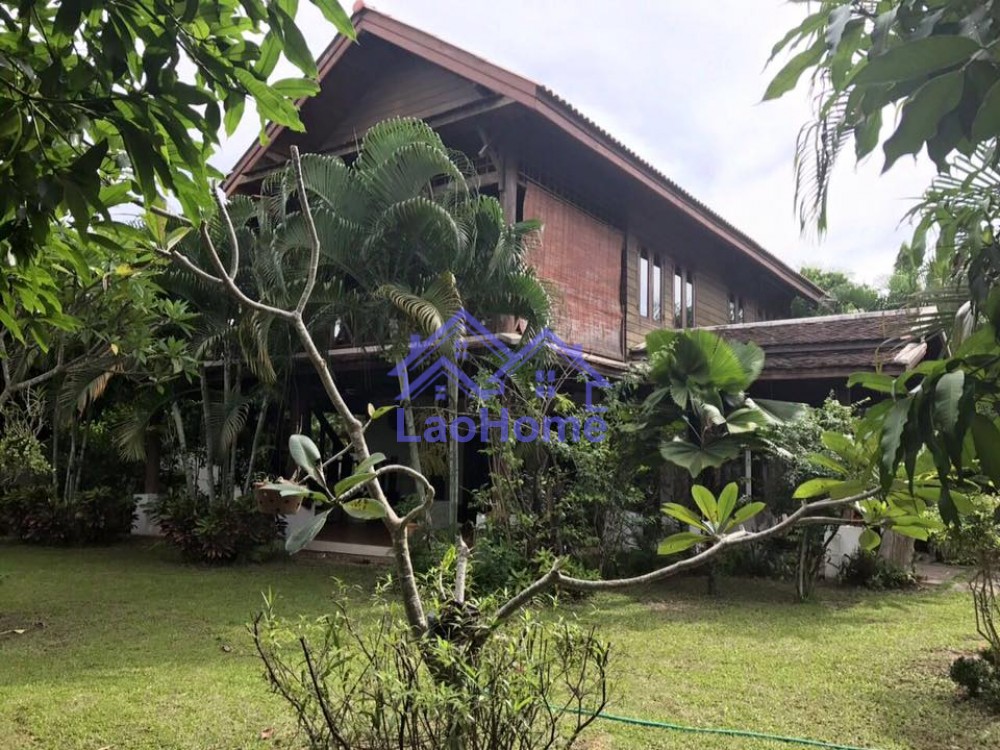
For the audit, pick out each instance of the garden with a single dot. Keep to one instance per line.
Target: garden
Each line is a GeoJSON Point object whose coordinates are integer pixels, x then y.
{"type": "Point", "coordinates": [662, 583]}
{"type": "Point", "coordinates": [127, 647]}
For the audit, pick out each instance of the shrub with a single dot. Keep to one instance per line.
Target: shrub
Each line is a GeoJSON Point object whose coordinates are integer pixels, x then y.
{"type": "Point", "coordinates": [528, 684]}
{"type": "Point", "coordinates": [866, 568]}
{"type": "Point", "coordinates": [224, 532]}
{"type": "Point", "coordinates": [980, 677]}
{"type": "Point", "coordinates": [978, 534]}
{"type": "Point", "coordinates": [35, 514]}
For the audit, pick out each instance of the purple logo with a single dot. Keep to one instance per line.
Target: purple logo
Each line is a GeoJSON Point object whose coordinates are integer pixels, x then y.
{"type": "Point", "coordinates": [435, 363]}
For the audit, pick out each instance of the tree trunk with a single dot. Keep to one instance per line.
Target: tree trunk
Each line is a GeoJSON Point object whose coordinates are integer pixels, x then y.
{"type": "Point", "coordinates": [188, 461]}
{"type": "Point", "coordinates": [897, 549]}
{"type": "Point", "coordinates": [414, 447]}
{"type": "Point", "coordinates": [255, 444]}
{"type": "Point", "coordinates": [453, 457]}
{"type": "Point", "coordinates": [206, 416]}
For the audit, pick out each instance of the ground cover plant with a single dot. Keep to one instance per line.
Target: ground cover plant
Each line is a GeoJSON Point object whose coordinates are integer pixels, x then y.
{"type": "Point", "coordinates": [127, 648]}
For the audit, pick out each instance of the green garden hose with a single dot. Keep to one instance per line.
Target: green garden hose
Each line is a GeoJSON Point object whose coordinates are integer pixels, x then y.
{"type": "Point", "coordinates": [710, 730]}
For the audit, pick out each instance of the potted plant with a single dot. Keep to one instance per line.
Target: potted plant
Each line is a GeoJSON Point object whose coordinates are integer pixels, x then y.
{"type": "Point", "coordinates": [271, 500]}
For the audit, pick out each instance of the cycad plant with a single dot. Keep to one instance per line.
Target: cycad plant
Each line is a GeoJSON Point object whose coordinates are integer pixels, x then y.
{"type": "Point", "coordinates": [407, 241]}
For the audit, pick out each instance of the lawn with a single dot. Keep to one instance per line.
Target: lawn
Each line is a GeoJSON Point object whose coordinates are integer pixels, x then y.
{"type": "Point", "coordinates": [126, 648]}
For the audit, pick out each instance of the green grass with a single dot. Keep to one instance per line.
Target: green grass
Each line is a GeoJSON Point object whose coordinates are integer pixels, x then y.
{"type": "Point", "coordinates": [127, 648]}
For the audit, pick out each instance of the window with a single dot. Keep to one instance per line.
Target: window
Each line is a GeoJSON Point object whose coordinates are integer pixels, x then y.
{"type": "Point", "coordinates": [643, 284]}
{"type": "Point", "coordinates": [678, 299]}
{"type": "Point", "coordinates": [737, 309]}
{"type": "Point", "coordinates": [657, 289]}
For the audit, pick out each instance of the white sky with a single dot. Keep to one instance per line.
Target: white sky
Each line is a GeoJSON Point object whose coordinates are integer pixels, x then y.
{"type": "Point", "coordinates": [680, 82]}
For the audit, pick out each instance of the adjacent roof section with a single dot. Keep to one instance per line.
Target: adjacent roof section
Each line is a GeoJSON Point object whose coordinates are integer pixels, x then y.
{"type": "Point", "coordinates": [552, 108]}
{"type": "Point", "coordinates": [832, 346]}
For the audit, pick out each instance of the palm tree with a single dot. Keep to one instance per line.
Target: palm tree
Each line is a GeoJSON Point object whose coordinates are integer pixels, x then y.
{"type": "Point", "coordinates": [407, 241]}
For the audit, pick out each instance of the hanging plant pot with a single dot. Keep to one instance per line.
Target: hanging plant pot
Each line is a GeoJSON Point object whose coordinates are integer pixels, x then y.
{"type": "Point", "coordinates": [271, 501]}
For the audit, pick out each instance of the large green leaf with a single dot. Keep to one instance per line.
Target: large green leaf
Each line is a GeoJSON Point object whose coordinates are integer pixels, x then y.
{"type": "Point", "coordinates": [305, 534]}
{"type": "Point", "coordinates": [727, 501]}
{"type": "Point", "coordinates": [364, 508]}
{"type": "Point", "coordinates": [696, 459]}
{"type": "Point", "coordinates": [683, 514]}
{"type": "Point", "coordinates": [679, 542]}
{"type": "Point", "coordinates": [915, 59]}
{"type": "Point", "coordinates": [706, 502]}
{"type": "Point", "coordinates": [305, 454]}
{"type": "Point", "coordinates": [986, 437]}
{"type": "Point", "coordinates": [815, 488]}
{"type": "Point", "coordinates": [869, 540]}
{"type": "Point", "coordinates": [779, 411]}
{"type": "Point", "coordinates": [348, 483]}
{"type": "Point", "coordinates": [922, 114]}
{"type": "Point", "coordinates": [746, 512]}
{"type": "Point", "coordinates": [947, 396]}
{"type": "Point", "coordinates": [892, 434]}
{"type": "Point", "coordinates": [789, 75]}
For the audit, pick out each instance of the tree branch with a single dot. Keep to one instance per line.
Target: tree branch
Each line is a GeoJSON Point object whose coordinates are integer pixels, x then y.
{"type": "Point", "coordinates": [554, 577]}
{"type": "Point", "coordinates": [314, 245]}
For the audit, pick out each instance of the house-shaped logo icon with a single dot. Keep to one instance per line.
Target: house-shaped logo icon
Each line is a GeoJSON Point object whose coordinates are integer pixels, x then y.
{"type": "Point", "coordinates": [546, 342]}
{"type": "Point", "coordinates": [440, 356]}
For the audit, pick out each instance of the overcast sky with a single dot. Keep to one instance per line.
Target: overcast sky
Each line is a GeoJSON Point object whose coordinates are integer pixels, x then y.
{"type": "Point", "coordinates": [680, 83]}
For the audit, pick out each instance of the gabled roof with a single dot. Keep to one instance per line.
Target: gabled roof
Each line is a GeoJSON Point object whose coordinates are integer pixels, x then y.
{"type": "Point", "coordinates": [833, 346]}
{"type": "Point", "coordinates": [552, 108]}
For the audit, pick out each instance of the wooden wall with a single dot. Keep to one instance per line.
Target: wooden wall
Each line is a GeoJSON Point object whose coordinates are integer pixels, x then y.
{"type": "Point", "coordinates": [713, 283]}
{"type": "Point", "coordinates": [400, 85]}
{"type": "Point", "coordinates": [581, 257]}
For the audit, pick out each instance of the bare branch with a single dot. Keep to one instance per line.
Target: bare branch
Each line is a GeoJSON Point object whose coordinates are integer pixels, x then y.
{"type": "Point", "coordinates": [227, 220]}
{"type": "Point", "coordinates": [314, 245]}
{"type": "Point", "coordinates": [554, 577]}
{"type": "Point", "coordinates": [228, 282]}
{"type": "Point", "coordinates": [461, 569]}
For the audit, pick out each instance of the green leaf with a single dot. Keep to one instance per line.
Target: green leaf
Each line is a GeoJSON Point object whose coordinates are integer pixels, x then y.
{"type": "Point", "coordinates": [947, 395]}
{"type": "Point", "coordinates": [347, 483]}
{"type": "Point", "coordinates": [873, 381]}
{"type": "Point", "coordinates": [369, 463]}
{"type": "Point", "coordinates": [296, 88]}
{"type": "Point", "coordinates": [916, 59]}
{"type": "Point", "coordinates": [679, 542]}
{"type": "Point", "coordinates": [375, 414]}
{"type": "Point", "coordinates": [296, 47]}
{"type": "Point", "coordinates": [727, 501]}
{"type": "Point", "coordinates": [288, 489]}
{"type": "Point", "coordinates": [706, 503]}
{"type": "Point", "coordinates": [364, 508]}
{"type": "Point", "coordinates": [684, 515]}
{"type": "Point", "coordinates": [987, 122]}
{"type": "Point", "coordinates": [922, 115]}
{"type": "Point", "coordinates": [695, 459]}
{"type": "Point", "coordinates": [869, 540]}
{"type": "Point", "coordinates": [788, 77]}
{"type": "Point", "coordinates": [892, 434]}
{"type": "Point", "coordinates": [746, 512]}
{"type": "Point", "coordinates": [235, 105]}
{"type": "Point", "coordinates": [815, 488]}
{"type": "Point", "coordinates": [335, 14]}
{"type": "Point", "coordinates": [305, 534]}
{"type": "Point", "coordinates": [917, 532]}
{"type": "Point", "coordinates": [305, 454]}
{"type": "Point", "coordinates": [986, 438]}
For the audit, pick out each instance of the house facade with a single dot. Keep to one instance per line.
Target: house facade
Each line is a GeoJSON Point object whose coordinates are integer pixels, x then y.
{"type": "Point", "coordinates": [625, 250]}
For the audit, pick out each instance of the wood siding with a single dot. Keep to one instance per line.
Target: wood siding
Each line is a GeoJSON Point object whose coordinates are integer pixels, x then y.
{"type": "Point", "coordinates": [712, 288]}
{"type": "Point", "coordinates": [409, 88]}
{"type": "Point", "coordinates": [581, 258]}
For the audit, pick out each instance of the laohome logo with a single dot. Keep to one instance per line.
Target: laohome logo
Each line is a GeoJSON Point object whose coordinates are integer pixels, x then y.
{"type": "Point", "coordinates": [437, 362]}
